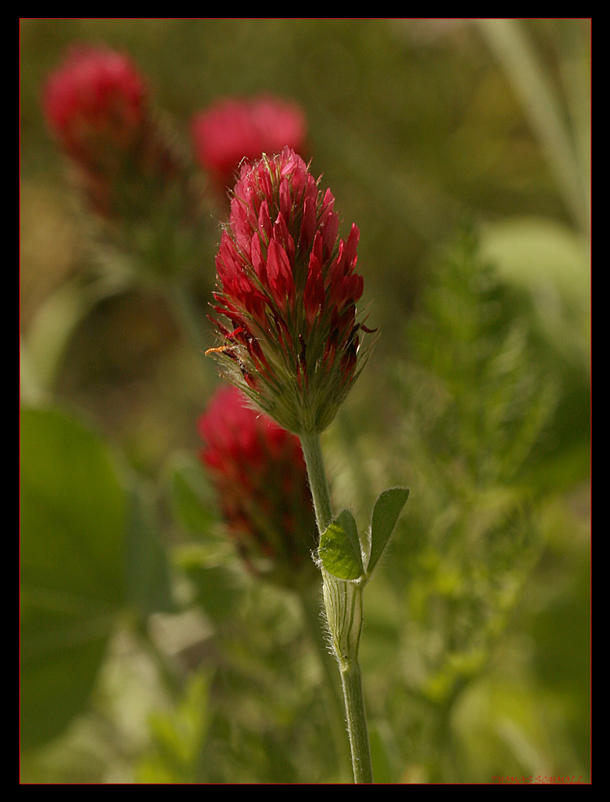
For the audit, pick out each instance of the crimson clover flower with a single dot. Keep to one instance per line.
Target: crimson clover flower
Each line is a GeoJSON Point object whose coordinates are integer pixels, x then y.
{"type": "Point", "coordinates": [258, 471]}
{"type": "Point", "coordinates": [234, 129]}
{"type": "Point", "coordinates": [97, 105]}
{"type": "Point", "coordinates": [287, 285]}
{"type": "Point", "coordinates": [97, 96]}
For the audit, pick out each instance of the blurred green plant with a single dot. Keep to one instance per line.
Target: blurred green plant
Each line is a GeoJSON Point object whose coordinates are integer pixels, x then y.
{"type": "Point", "coordinates": [477, 396]}
{"type": "Point", "coordinates": [477, 402]}
{"type": "Point", "coordinates": [559, 116]}
{"type": "Point", "coordinates": [178, 738]}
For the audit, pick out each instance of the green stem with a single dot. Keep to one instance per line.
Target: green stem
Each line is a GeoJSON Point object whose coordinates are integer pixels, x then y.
{"type": "Point", "coordinates": [316, 472]}
{"type": "Point", "coordinates": [356, 722]}
{"type": "Point", "coordinates": [343, 607]}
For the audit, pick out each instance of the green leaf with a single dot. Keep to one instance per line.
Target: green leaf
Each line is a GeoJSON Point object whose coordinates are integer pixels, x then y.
{"type": "Point", "coordinates": [339, 549]}
{"type": "Point", "coordinates": [385, 514]}
{"type": "Point", "coordinates": [73, 519]}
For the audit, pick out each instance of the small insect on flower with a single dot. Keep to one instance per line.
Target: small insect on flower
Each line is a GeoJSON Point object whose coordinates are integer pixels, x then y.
{"type": "Point", "coordinates": [222, 349]}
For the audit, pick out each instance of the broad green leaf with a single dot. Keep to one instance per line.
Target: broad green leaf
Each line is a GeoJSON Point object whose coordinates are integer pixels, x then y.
{"type": "Point", "coordinates": [385, 514]}
{"type": "Point", "coordinates": [73, 517]}
{"type": "Point", "coordinates": [339, 549]}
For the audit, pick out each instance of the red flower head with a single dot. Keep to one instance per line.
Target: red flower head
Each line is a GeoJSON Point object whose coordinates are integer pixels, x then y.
{"type": "Point", "coordinates": [288, 286]}
{"type": "Point", "coordinates": [259, 474]}
{"type": "Point", "coordinates": [96, 100]}
{"type": "Point", "coordinates": [97, 106]}
{"type": "Point", "coordinates": [236, 129]}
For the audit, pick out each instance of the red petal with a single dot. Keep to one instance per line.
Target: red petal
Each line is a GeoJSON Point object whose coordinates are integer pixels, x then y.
{"type": "Point", "coordinates": [279, 272]}
{"type": "Point", "coordinates": [313, 296]}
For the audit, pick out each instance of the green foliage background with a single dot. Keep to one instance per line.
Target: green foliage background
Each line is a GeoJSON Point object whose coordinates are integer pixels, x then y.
{"type": "Point", "coordinates": [461, 150]}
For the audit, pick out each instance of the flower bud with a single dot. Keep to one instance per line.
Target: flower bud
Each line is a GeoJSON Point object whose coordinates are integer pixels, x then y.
{"type": "Point", "coordinates": [259, 474]}
{"type": "Point", "coordinates": [288, 287]}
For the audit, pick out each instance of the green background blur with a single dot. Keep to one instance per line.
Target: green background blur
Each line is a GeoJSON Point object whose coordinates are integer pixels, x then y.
{"type": "Point", "coordinates": [423, 129]}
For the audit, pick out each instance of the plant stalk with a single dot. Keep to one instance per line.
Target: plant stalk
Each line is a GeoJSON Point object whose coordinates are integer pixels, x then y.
{"type": "Point", "coordinates": [343, 608]}
{"type": "Point", "coordinates": [356, 722]}
{"type": "Point", "coordinates": [312, 451]}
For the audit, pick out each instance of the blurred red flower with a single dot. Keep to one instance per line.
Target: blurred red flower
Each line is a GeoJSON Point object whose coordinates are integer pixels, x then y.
{"type": "Point", "coordinates": [233, 129]}
{"type": "Point", "coordinates": [97, 97]}
{"type": "Point", "coordinates": [258, 471]}
{"type": "Point", "coordinates": [97, 105]}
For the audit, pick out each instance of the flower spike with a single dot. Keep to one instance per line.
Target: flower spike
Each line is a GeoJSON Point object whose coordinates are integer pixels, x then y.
{"type": "Point", "coordinates": [287, 283]}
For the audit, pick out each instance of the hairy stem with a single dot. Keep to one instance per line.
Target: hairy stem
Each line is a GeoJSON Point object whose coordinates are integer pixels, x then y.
{"type": "Point", "coordinates": [356, 721]}
{"type": "Point", "coordinates": [316, 472]}
{"type": "Point", "coordinates": [343, 608]}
